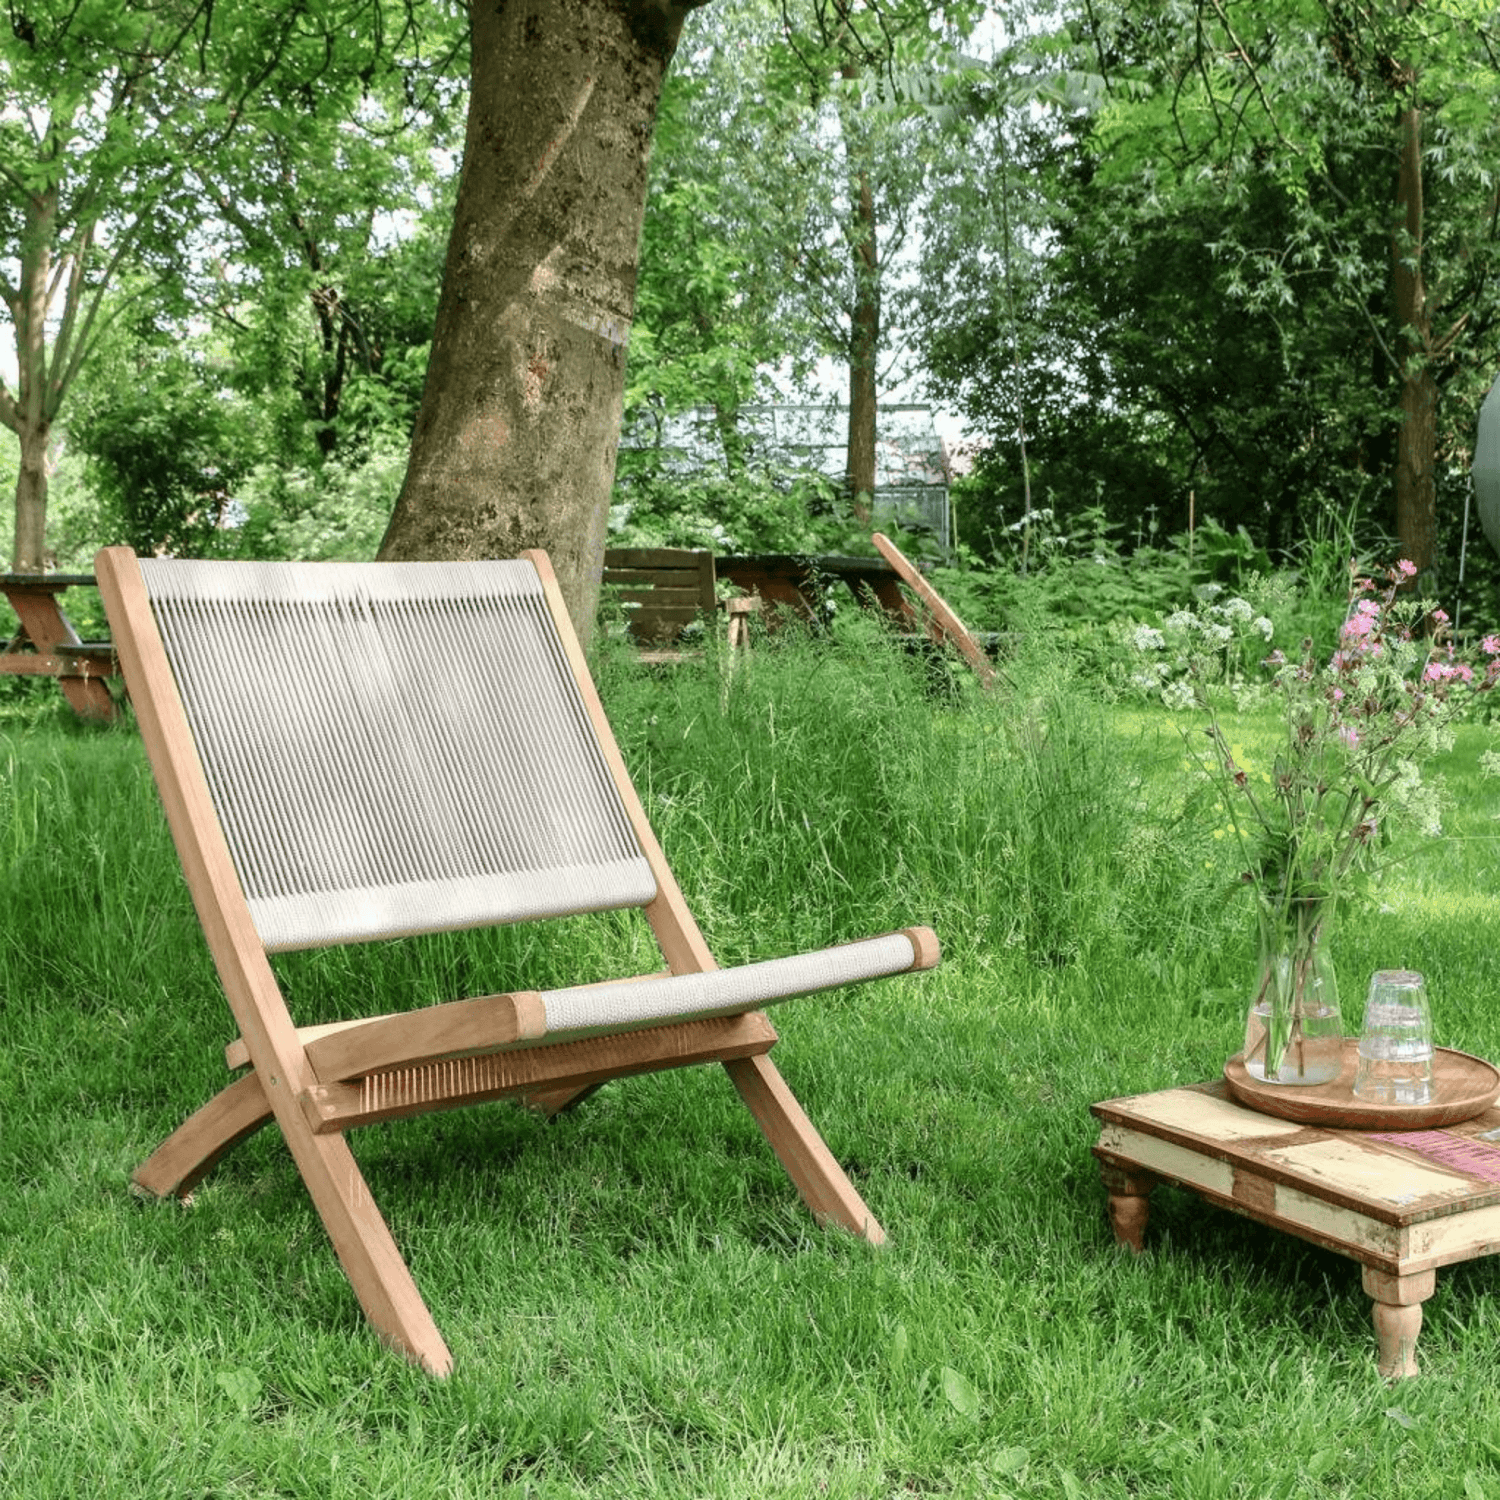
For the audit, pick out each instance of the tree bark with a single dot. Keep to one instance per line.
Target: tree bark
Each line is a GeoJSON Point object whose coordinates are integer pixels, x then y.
{"type": "Point", "coordinates": [29, 554]}
{"type": "Point", "coordinates": [864, 315]}
{"type": "Point", "coordinates": [1416, 439]}
{"type": "Point", "coordinates": [29, 413]}
{"type": "Point", "coordinates": [864, 350]}
{"type": "Point", "coordinates": [516, 436]}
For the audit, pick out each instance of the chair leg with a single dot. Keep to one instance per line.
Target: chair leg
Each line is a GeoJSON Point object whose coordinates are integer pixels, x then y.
{"type": "Point", "coordinates": [380, 1277]}
{"type": "Point", "coordinates": [181, 1162]}
{"type": "Point", "coordinates": [550, 1102]}
{"type": "Point", "coordinates": [363, 1243]}
{"type": "Point", "coordinates": [824, 1186]}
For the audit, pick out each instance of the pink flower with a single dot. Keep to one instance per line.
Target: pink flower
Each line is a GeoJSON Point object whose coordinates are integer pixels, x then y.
{"type": "Point", "coordinates": [1490, 645]}
{"type": "Point", "coordinates": [1357, 626]}
{"type": "Point", "coordinates": [1437, 671]}
{"type": "Point", "coordinates": [1441, 616]}
{"type": "Point", "coordinates": [1349, 735]}
{"type": "Point", "coordinates": [1338, 695]}
{"type": "Point", "coordinates": [1406, 569]}
{"type": "Point", "coordinates": [1367, 607]}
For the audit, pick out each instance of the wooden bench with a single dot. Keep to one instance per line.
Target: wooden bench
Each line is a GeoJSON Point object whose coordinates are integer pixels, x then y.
{"type": "Point", "coordinates": [663, 590]}
{"type": "Point", "coordinates": [46, 645]}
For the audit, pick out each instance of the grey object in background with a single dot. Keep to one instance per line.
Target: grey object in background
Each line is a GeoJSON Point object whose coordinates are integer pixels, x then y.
{"type": "Point", "coordinates": [1487, 466]}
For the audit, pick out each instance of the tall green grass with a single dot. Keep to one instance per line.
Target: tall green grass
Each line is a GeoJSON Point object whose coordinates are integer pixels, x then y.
{"type": "Point", "coordinates": [637, 1302]}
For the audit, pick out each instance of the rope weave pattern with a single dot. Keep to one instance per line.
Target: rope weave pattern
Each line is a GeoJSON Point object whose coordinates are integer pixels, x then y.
{"type": "Point", "coordinates": [722, 992]}
{"type": "Point", "coordinates": [393, 748]}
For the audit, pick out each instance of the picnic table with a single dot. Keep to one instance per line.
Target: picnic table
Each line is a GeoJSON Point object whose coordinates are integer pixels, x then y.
{"type": "Point", "coordinates": [798, 579]}
{"type": "Point", "coordinates": [47, 645]}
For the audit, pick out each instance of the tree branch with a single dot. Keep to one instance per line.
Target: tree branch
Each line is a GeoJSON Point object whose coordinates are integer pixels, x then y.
{"type": "Point", "coordinates": [1243, 54]}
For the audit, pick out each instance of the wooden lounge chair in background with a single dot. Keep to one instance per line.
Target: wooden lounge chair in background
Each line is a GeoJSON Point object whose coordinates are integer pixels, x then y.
{"type": "Point", "coordinates": [943, 623]}
{"type": "Point", "coordinates": [348, 752]}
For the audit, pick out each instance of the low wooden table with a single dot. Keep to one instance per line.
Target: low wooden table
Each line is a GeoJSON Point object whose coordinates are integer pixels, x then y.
{"type": "Point", "coordinates": [46, 645]}
{"type": "Point", "coordinates": [1400, 1203]}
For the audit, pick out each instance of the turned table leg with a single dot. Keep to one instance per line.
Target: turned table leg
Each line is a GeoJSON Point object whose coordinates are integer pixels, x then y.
{"type": "Point", "coordinates": [1398, 1317]}
{"type": "Point", "coordinates": [1129, 1203]}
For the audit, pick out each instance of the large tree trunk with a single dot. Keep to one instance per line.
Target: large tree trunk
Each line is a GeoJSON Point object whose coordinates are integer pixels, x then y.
{"type": "Point", "coordinates": [864, 350]}
{"type": "Point", "coordinates": [520, 418]}
{"type": "Point", "coordinates": [29, 413]}
{"type": "Point", "coordinates": [29, 553]}
{"type": "Point", "coordinates": [1416, 440]}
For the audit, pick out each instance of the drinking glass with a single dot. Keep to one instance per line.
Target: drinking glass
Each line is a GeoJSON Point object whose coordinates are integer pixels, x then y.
{"type": "Point", "coordinates": [1395, 1043]}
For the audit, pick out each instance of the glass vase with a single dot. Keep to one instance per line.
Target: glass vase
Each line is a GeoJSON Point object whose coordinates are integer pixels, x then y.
{"type": "Point", "coordinates": [1294, 1033]}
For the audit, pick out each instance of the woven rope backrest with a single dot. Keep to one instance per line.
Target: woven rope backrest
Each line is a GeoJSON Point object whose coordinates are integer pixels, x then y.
{"type": "Point", "coordinates": [393, 747]}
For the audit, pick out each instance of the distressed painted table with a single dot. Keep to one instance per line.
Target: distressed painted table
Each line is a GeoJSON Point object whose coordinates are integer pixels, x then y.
{"type": "Point", "coordinates": [1400, 1203]}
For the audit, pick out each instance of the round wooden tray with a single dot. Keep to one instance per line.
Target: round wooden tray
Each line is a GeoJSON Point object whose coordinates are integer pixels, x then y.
{"type": "Point", "coordinates": [1463, 1087]}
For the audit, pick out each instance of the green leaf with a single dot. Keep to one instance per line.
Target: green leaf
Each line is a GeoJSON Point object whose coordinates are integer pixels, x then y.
{"type": "Point", "coordinates": [242, 1386]}
{"type": "Point", "coordinates": [962, 1396]}
{"type": "Point", "coordinates": [900, 1345]}
{"type": "Point", "coordinates": [1010, 1460]}
{"type": "Point", "coordinates": [1321, 1462]}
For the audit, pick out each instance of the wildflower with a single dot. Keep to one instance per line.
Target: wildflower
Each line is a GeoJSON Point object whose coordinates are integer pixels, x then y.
{"type": "Point", "coordinates": [1490, 645]}
{"type": "Point", "coordinates": [1144, 638]}
{"type": "Point", "coordinates": [1406, 569]}
{"type": "Point", "coordinates": [1261, 624]}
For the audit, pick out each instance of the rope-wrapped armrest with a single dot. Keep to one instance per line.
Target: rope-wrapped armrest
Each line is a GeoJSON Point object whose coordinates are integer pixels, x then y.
{"type": "Point", "coordinates": [673, 997]}
{"type": "Point", "coordinates": [493, 1023]}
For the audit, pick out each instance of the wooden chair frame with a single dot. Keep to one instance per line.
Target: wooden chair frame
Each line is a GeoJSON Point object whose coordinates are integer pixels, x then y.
{"type": "Point", "coordinates": [318, 1082]}
{"type": "Point", "coordinates": [943, 622]}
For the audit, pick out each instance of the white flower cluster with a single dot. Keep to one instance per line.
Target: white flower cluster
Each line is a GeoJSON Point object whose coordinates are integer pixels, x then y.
{"type": "Point", "coordinates": [1416, 799]}
{"type": "Point", "coordinates": [1212, 627]}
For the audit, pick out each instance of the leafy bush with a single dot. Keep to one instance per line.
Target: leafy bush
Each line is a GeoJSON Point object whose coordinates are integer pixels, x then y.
{"type": "Point", "coordinates": [337, 511]}
{"type": "Point", "coordinates": [756, 510]}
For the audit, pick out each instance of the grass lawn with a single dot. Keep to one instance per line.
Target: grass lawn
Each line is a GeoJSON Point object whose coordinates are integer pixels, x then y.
{"type": "Point", "coordinates": [637, 1303]}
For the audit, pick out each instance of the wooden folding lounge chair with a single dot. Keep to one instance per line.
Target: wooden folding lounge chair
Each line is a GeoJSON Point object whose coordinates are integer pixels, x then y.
{"type": "Point", "coordinates": [943, 623]}
{"type": "Point", "coordinates": [352, 751]}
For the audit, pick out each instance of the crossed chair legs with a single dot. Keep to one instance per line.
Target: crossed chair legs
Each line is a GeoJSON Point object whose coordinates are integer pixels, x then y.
{"type": "Point", "coordinates": [549, 1078]}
